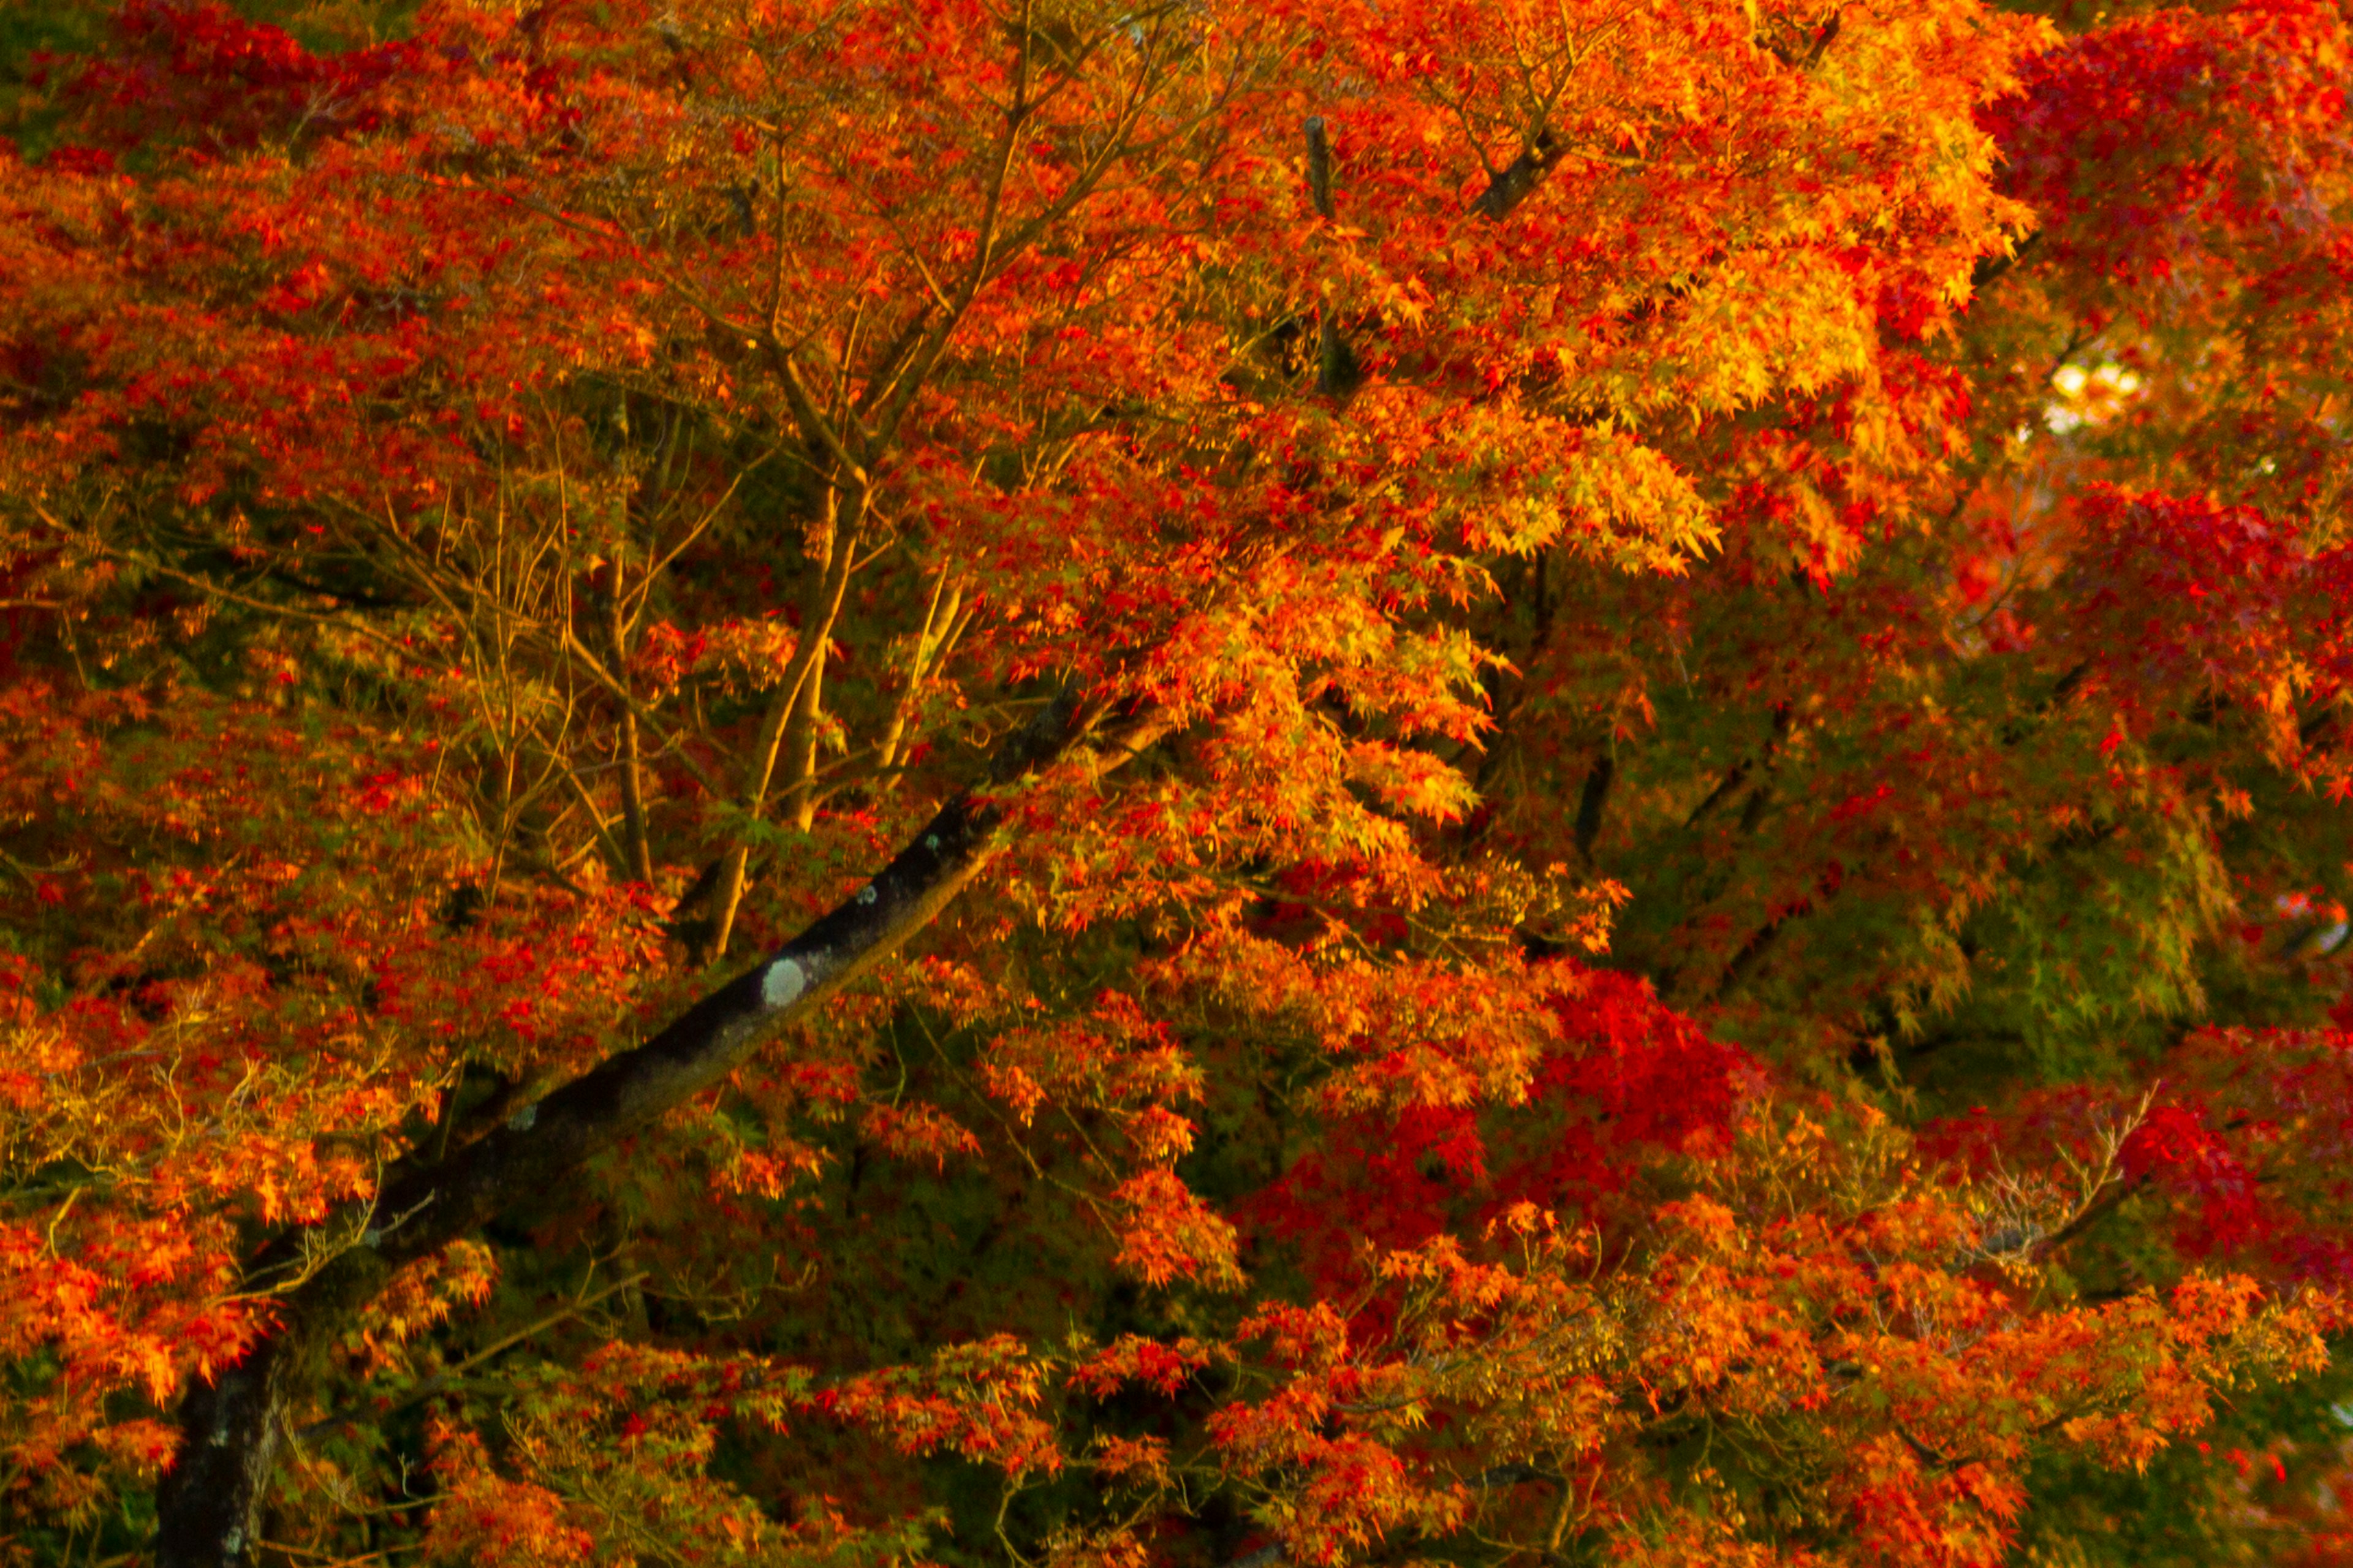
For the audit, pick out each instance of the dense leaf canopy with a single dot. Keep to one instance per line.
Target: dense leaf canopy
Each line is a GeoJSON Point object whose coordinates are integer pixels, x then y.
{"type": "Point", "coordinates": [1049, 782]}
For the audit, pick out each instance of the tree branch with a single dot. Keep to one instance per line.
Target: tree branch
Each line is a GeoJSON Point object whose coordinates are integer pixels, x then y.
{"type": "Point", "coordinates": [210, 1500]}
{"type": "Point", "coordinates": [1510, 185]}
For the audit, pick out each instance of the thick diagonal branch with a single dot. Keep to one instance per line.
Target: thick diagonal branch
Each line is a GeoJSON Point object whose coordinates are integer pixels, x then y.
{"type": "Point", "coordinates": [1509, 186]}
{"type": "Point", "coordinates": [211, 1499]}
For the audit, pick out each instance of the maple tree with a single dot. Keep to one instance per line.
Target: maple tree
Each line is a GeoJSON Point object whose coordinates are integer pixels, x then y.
{"type": "Point", "coordinates": [811, 783]}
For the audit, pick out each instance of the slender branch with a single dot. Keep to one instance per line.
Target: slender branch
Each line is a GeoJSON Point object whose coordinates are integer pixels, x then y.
{"type": "Point", "coordinates": [633, 798]}
{"type": "Point", "coordinates": [789, 709]}
{"type": "Point", "coordinates": [448, 1377]}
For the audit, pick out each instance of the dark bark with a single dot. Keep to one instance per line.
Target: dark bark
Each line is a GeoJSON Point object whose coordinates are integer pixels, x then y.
{"type": "Point", "coordinates": [1759, 942]}
{"type": "Point", "coordinates": [1590, 802]}
{"type": "Point", "coordinates": [1337, 373]}
{"type": "Point", "coordinates": [1795, 49]}
{"type": "Point", "coordinates": [1319, 165]}
{"type": "Point", "coordinates": [1738, 774]}
{"type": "Point", "coordinates": [1734, 777]}
{"type": "Point", "coordinates": [1990, 268]}
{"type": "Point", "coordinates": [210, 1501]}
{"type": "Point", "coordinates": [1509, 186]}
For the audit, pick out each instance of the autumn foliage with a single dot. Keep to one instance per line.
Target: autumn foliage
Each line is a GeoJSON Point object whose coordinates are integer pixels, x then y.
{"type": "Point", "coordinates": [827, 783]}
